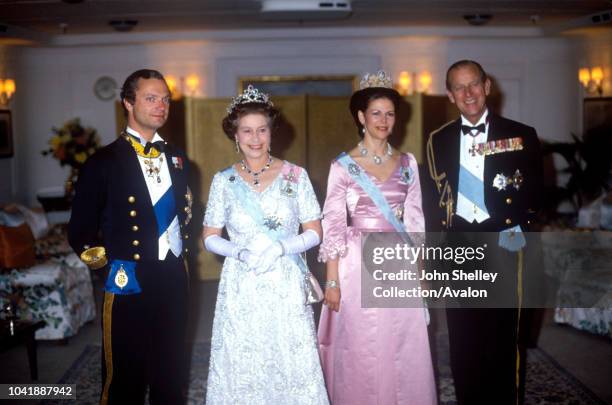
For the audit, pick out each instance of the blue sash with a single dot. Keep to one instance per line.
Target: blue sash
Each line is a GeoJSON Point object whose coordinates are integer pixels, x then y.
{"type": "Point", "coordinates": [472, 188]}
{"type": "Point", "coordinates": [251, 206]}
{"type": "Point", "coordinates": [165, 211]}
{"type": "Point", "coordinates": [374, 193]}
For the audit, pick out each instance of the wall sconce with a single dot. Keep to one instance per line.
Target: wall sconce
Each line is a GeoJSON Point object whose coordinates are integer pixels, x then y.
{"type": "Point", "coordinates": [408, 82]}
{"type": "Point", "coordinates": [404, 83]}
{"type": "Point", "coordinates": [591, 79]}
{"type": "Point", "coordinates": [7, 89]}
{"type": "Point", "coordinates": [192, 83]}
{"type": "Point", "coordinates": [424, 80]}
{"type": "Point", "coordinates": [183, 85]}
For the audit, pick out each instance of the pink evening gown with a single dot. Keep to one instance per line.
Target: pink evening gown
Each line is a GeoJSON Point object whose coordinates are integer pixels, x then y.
{"type": "Point", "coordinates": [371, 355]}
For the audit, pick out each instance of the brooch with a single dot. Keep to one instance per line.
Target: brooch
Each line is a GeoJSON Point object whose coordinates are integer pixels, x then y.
{"type": "Point", "coordinates": [287, 188]}
{"type": "Point", "coordinates": [500, 182]}
{"type": "Point", "coordinates": [354, 169]}
{"type": "Point", "coordinates": [232, 178]}
{"type": "Point", "coordinates": [407, 175]}
{"type": "Point", "coordinates": [272, 222]}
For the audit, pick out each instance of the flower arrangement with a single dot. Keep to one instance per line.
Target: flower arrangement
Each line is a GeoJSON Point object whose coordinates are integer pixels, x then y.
{"type": "Point", "coordinates": [72, 144]}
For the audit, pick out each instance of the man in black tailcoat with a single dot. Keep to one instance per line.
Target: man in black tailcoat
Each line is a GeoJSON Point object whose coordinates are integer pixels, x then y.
{"type": "Point", "coordinates": [486, 171]}
{"type": "Point", "coordinates": [129, 218]}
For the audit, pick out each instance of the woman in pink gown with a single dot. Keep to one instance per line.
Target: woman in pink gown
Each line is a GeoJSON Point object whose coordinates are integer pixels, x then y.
{"type": "Point", "coordinates": [371, 355]}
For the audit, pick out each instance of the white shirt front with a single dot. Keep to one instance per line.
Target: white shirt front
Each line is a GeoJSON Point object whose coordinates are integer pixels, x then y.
{"type": "Point", "coordinates": [171, 238]}
{"type": "Point", "coordinates": [474, 163]}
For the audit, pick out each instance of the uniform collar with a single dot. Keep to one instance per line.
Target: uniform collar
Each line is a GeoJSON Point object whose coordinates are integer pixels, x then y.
{"type": "Point", "coordinates": [156, 136]}
{"type": "Point", "coordinates": [483, 120]}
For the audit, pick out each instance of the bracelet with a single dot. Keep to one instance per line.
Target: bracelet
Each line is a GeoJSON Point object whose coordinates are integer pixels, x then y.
{"type": "Point", "coordinates": [331, 284]}
{"type": "Point", "coordinates": [239, 253]}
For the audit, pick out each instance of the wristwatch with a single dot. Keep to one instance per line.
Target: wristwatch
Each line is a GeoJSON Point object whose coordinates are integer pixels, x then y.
{"type": "Point", "coordinates": [331, 284]}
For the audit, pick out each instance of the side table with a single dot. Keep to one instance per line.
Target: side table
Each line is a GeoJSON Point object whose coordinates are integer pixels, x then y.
{"type": "Point", "coordinates": [23, 332]}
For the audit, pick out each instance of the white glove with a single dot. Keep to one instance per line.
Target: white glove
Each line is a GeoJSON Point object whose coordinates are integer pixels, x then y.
{"type": "Point", "coordinates": [268, 258]}
{"type": "Point", "coordinates": [223, 247]}
{"type": "Point", "coordinates": [293, 245]}
{"type": "Point", "coordinates": [300, 243]}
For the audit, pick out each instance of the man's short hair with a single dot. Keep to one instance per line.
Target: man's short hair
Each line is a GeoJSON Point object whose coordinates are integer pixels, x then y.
{"type": "Point", "coordinates": [128, 91]}
{"type": "Point", "coordinates": [464, 63]}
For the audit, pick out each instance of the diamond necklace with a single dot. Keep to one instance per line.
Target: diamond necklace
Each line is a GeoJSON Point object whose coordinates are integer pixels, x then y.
{"type": "Point", "coordinates": [255, 175]}
{"type": "Point", "coordinates": [377, 159]}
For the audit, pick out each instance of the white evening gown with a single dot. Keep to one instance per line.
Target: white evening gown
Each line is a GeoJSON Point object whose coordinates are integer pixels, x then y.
{"type": "Point", "coordinates": [264, 344]}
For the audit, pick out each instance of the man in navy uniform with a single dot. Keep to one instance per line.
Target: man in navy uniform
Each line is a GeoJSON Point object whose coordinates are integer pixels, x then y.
{"type": "Point", "coordinates": [486, 171]}
{"type": "Point", "coordinates": [129, 217]}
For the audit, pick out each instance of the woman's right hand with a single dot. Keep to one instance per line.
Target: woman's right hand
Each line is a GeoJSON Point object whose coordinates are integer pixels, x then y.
{"type": "Point", "coordinates": [332, 298]}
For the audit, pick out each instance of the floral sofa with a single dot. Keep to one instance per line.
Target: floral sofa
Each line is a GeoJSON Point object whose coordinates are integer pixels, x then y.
{"type": "Point", "coordinates": [582, 264]}
{"type": "Point", "coordinates": [57, 289]}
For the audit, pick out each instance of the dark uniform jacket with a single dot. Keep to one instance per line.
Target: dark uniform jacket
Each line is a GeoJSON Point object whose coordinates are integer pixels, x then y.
{"type": "Point", "coordinates": [506, 208]}
{"type": "Point", "coordinates": [112, 206]}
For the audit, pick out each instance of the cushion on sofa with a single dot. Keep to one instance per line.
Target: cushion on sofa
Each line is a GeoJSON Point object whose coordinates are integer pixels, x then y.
{"type": "Point", "coordinates": [16, 247]}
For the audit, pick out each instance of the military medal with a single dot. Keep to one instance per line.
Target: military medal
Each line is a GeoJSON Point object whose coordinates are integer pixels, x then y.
{"type": "Point", "coordinates": [189, 199]}
{"type": "Point", "coordinates": [500, 182]}
{"type": "Point", "coordinates": [121, 278]}
{"type": "Point", "coordinates": [153, 170]}
{"type": "Point", "coordinates": [498, 146]}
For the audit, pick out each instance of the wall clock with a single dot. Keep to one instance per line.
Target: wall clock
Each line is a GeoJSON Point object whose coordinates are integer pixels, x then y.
{"type": "Point", "coordinates": [105, 87]}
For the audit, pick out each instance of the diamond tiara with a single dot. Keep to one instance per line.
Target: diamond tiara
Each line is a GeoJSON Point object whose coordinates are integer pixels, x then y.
{"type": "Point", "coordinates": [249, 95]}
{"type": "Point", "coordinates": [379, 79]}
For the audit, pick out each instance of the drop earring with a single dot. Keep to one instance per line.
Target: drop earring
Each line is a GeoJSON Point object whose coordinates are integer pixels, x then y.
{"type": "Point", "coordinates": [237, 145]}
{"type": "Point", "coordinates": [363, 130]}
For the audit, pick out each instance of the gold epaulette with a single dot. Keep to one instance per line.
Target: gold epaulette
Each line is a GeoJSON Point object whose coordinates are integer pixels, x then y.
{"type": "Point", "coordinates": [95, 257]}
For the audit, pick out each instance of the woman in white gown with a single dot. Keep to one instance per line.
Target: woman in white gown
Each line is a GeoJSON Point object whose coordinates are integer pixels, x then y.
{"type": "Point", "coordinates": [264, 347]}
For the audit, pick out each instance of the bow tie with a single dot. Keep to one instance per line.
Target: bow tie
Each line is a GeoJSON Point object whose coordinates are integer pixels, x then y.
{"type": "Point", "coordinates": [468, 130]}
{"type": "Point", "coordinates": [159, 145]}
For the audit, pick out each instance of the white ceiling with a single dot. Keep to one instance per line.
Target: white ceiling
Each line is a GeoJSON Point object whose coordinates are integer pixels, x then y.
{"type": "Point", "coordinates": [92, 16]}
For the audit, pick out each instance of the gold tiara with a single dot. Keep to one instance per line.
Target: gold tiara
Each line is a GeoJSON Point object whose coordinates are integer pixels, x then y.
{"type": "Point", "coordinates": [378, 79]}
{"type": "Point", "coordinates": [249, 95]}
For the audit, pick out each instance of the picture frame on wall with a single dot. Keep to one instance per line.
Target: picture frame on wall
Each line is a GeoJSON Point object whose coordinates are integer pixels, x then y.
{"type": "Point", "coordinates": [597, 113]}
{"type": "Point", "coordinates": [6, 134]}
{"type": "Point", "coordinates": [331, 86]}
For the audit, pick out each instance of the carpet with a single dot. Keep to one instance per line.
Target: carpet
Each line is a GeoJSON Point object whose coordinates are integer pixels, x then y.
{"type": "Point", "coordinates": [547, 382]}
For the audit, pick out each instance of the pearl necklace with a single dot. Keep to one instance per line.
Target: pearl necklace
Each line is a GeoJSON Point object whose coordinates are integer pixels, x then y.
{"type": "Point", "coordinates": [377, 159]}
{"type": "Point", "coordinates": [255, 175]}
